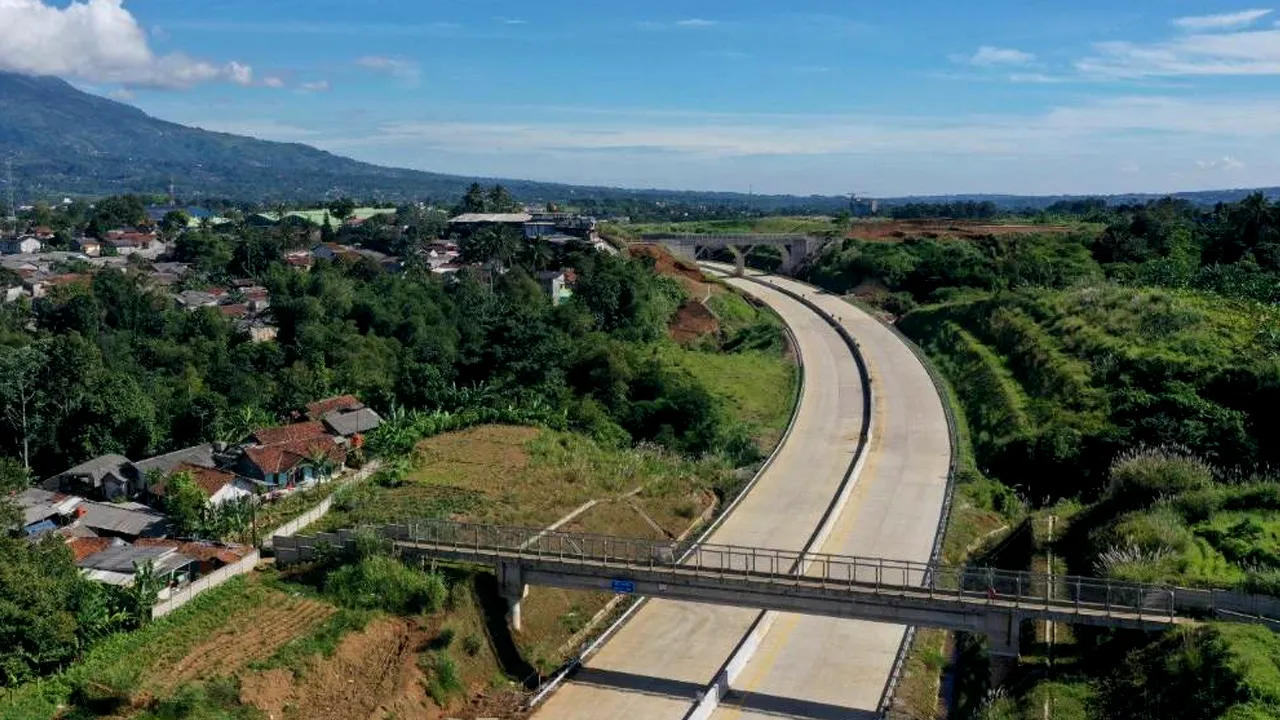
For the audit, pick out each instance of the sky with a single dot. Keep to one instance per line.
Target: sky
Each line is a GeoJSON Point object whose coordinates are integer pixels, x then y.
{"type": "Point", "coordinates": [803, 97]}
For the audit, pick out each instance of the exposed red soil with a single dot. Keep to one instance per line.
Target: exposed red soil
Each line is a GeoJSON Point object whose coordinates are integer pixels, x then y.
{"type": "Point", "coordinates": [692, 321]}
{"type": "Point", "coordinates": [372, 674]}
{"type": "Point", "coordinates": [899, 229]}
{"type": "Point", "coordinates": [667, 264]}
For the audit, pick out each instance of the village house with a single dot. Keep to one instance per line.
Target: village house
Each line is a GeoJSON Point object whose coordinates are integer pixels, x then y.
{"type": "Point", "coordinates": [345, 416]}
{"type": "Point", "coordinates": [219, 486]}
{"type": "Point", "coordinates": [119, 565]}
{"type": "Point", "coordinates": [22, 245]}
{"type": "Point", "coordinates": [286, 457]}
{"type": "Point", "coordinates": [88, 246]}
{"type": "Point", "coordinates": [107, 477]}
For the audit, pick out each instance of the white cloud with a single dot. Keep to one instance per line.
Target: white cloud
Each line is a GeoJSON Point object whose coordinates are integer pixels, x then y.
{"type": "Point", "coordinates": [317, 86]}
{"type": "Point", "coordinates": [1226, 162]}
{"type": "Point", "coordinates": [988, 56]}
{"type": "Point", "coordinates": [401, 68]}
{"type": "Point", "coordinates": [98, 41]}
{"type": "Point", "coordinates": [511, 21]}
{"type": "Point", "coordinates": [1224, 21]}
{"type": "Point", "coordinates": [262, 129]}
{"type": "Point", "coordinates": [1122, 125]}
{"type": "Point", "coordinates": [272, 82]}
{"type": "Point", "coordinates": [687, 23]}
{"type": "Point", "coordinates": [1252, 52]}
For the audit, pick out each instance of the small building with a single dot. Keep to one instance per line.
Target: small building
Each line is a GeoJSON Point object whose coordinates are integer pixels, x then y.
{"type": "Point", "coordinates": [472, 221]}
{"type": "Point", "coordinates": [294, 463]}
{"type": "Point", "coordinates": [345, 416]}
{"type": "Point", "coordinates": [21, 245]}
{"type": "Point", "coordinates": [219, 486]}
{"type": "Point", "coordinates": [124, 520]}
{"type": "Point", "coordinates": [120, 564]}
{"type": "Point", "coordinates": [557, 285]}
{"type": "Point", "coordinates": [289, 433]}
{"type": "Point", "coordinates": [210, 555]}
{"type": "Point", "coordinates": [88, 246]}
{"type": "Point", "coordinates": [260, 332]}
{"type": "Point", "coordinates": [108, 477]}
{"type": "Point", "coordinates": [45, 511]}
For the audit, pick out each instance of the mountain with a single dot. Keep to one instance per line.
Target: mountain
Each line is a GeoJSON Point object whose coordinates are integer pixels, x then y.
{"type": "Point", "coordinates": [67, 142]}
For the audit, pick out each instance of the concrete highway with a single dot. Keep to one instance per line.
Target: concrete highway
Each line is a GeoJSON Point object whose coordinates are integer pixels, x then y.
{"type": "Point", "coordinates": [658, 662]}
{"type": "Point", "coordinates": [811, 667]}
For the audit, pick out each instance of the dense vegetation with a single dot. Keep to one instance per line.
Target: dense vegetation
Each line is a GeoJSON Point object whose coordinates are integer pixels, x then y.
{"type": "Point", "coordinates": [1124, 380]}
{"type": "Point", "coordinates": [110, 364]}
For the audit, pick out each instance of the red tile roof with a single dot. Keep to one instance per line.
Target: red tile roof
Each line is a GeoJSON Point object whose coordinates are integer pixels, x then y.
{"type": "Point", "coordinates": [234, 311]}
{"type": "Point", "coordinates": [227, 554]}
{"type": "Point", "coordinates": [83, 547]}
{"type": "Point", "coordinates": [320, 408]}
{"type": "Point", "coordinates": [209, 480]}
{"type": "Point", "coordinates": [290, 433]}
{"type": "Point", "coordinates": [286, 456]}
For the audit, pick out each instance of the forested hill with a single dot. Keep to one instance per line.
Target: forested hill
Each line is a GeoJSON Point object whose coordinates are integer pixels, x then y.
{"type": "Point", "coordinates": [64, 141]}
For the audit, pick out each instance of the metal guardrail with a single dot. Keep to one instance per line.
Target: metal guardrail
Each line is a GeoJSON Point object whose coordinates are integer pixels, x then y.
{"type": "Point", "coordinates": [772, 567]}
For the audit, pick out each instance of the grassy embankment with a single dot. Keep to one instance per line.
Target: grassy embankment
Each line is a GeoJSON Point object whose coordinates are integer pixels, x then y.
{"type": "Point", "coordinates": [1055, 384]}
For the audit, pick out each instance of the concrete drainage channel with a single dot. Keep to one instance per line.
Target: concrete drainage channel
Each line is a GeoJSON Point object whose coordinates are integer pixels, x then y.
{"type": "Point", "coordinates": [709, 699]}
{"type": "Point", "coordinates": [559, 678]}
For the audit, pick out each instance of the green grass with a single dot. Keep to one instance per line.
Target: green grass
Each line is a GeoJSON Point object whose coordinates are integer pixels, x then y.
{"type": "Point", "coordinates": [756, 387]}
{"type": "Point", "coordinates": [524, 477]}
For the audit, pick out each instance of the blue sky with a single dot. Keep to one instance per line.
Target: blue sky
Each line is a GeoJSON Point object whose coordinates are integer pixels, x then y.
{"type": "Point", "coordinates": [917, 97]}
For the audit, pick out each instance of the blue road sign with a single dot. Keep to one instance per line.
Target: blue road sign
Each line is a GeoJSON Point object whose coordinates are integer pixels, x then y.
{"type": "Point", "coordinates": [626, 587]}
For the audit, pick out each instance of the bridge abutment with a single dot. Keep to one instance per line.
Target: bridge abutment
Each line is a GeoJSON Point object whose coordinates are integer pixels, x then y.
{"type": "Point", "coordinates": [513, 589]}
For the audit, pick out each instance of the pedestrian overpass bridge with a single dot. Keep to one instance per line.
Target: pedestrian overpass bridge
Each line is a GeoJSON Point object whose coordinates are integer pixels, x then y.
{"type": "Point", "coordinates": [980, 600]}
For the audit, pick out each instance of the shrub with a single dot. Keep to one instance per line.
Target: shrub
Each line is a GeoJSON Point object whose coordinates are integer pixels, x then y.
{"type": "Point", "coordinates": [443, 681]}
{"type": "Point", "coordinates": [383, 583]}
{"type": "Point", "coordinates": [472, 644]}
{"type": "Point", "coordinates": [1140, 477]}
{"type": "Point", "coordinates": [443, 639]}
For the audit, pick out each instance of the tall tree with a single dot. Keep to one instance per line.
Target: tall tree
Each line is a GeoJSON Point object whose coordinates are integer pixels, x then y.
{"type": "Point", "coordinates": [474, 201]}
{"type": "Point", "coordinates": [20, 392]}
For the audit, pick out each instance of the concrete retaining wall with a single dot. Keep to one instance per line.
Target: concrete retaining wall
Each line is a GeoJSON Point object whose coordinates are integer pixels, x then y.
{"type": "Point", "coordinates": [184, 595]}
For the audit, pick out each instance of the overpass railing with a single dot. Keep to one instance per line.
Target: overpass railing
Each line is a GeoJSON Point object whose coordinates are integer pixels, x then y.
{"type": "Point", "coordinates": [771, 566]}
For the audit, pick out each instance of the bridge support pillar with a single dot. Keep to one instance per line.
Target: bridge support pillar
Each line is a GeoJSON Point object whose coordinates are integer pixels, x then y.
{"type": "Point", "coordinates": [793, 255]}
{"type": "Point", "coordinates": [739, 261]}
{"type": "Point", "coordinates": [1004, 635]}
{"type": "Point", "coordinates": [511, 586]}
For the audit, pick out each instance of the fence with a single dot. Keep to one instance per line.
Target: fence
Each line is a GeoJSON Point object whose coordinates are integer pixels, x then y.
{"type": "Point", "coordinates": [322, 508]}
{"type": "Point", "coordinates": [763, 567]}
{"type": "Point", "coordinates": [183, 595]}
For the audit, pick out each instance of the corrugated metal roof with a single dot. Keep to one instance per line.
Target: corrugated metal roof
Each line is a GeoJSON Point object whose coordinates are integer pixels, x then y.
{"type": "Point", "coordinates": [200, 455]}
{"type": "Point", "coordinates": [123, 520]}
{"type": "Point", "coordinates": [128, 558]}
{"type": "Point", "coordinates": [350, 422]}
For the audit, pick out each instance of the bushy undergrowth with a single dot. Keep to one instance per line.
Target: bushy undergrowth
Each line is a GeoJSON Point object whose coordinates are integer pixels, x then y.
{"type": "Point", "coordinates": [384, 583]}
